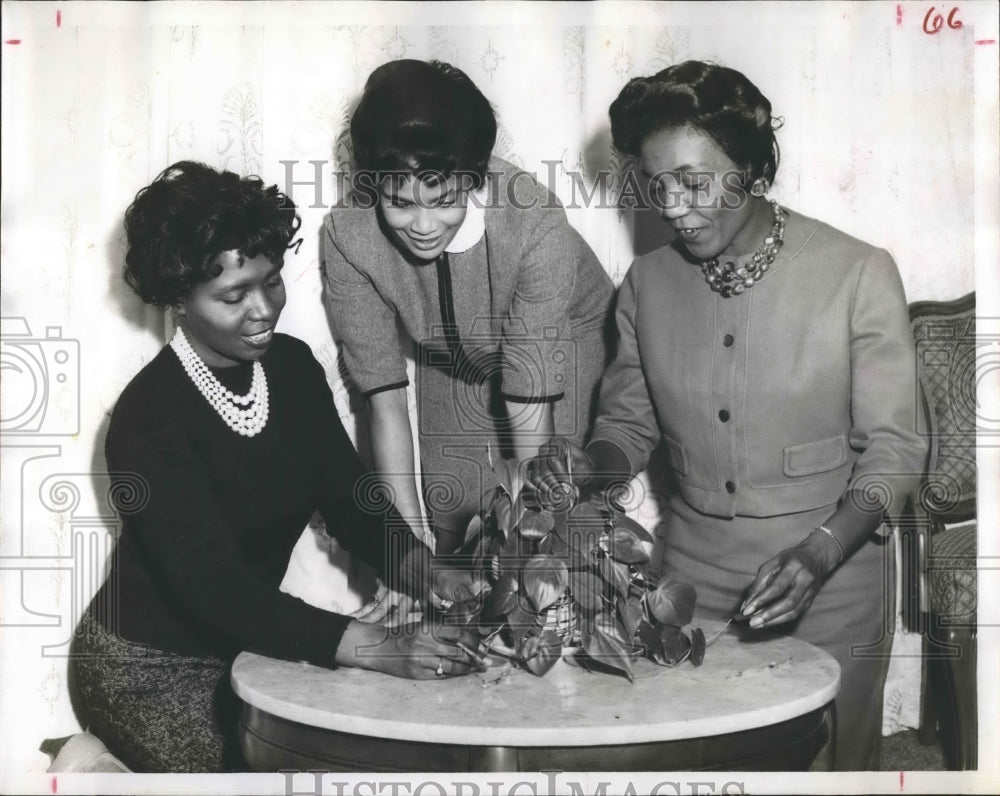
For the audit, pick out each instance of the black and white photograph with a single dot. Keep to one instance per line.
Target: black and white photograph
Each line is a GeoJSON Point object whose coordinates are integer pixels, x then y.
{"type": "Point", "coordinates": [495, 398]}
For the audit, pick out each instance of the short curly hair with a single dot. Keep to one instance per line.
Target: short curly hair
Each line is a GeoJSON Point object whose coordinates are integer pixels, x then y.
{"type": "Point", "coordinates": [179, 224]}
{"type": "Point", "coordinates": [423, 116]}
{"type": "Point", "coordinates": [717, 100]}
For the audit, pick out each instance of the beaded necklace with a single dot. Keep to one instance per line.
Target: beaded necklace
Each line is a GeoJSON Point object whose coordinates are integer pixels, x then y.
{"type": "Point", "coordinates": [244, 414]}
{"type": "Point", "coordinates": [729, 281]}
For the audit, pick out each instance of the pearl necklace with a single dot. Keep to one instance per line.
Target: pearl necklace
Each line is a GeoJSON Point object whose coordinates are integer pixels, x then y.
{"type": "Point", "coordinates": [730, 281]}
{"type": "Point", "coordinates": [236, 410]}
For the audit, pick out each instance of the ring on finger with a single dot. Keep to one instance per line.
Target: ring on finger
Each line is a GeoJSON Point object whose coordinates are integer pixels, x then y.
{"type": "Point", "coordinates": [439, 671]}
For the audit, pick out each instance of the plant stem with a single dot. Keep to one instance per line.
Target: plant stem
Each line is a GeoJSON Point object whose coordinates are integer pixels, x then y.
{"type": "Point", "coordinates": [712, 639]}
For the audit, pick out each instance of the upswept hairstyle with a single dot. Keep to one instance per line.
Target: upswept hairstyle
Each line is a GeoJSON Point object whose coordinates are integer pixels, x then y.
{"type": "Point", "coordinates": [179, 224]}
{"type": "Point", "coordinates": [719, 101]}
{"type": "Point", "coordinates": [417, 116]}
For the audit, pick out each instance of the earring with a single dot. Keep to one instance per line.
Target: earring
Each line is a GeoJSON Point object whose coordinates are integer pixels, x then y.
{"type": "Point", "coordinates": [759, 187]}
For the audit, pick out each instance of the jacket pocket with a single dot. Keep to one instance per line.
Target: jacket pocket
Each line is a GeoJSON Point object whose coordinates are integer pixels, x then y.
{"type": "Point", "coordinates": [815, 457]}
{"type": "Point", "coordinates": [677, 454]}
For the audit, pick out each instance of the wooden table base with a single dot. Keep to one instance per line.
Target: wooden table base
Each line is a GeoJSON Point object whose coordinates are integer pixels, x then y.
{"type": "Point", "coordinates": [271, 743]}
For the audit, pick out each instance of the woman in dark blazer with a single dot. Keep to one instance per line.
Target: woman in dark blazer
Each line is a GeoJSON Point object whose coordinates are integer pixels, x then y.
{"type": "Point", "coordinates": [772, 356]}
{"type": "Point", "coordinates": [477, 262]}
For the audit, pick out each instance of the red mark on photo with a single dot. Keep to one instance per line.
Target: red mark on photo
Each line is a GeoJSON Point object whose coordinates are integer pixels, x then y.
{"type": "Point", "coordinates": [53, 785]}
{"type": "Point", "coordinates": [899, 14]}
{"type": "Point", "coordinates": [934, 22]}
{"type": "Point", "coordinates": [985, 41]}
{"type": "Point", "coordinates": [58, 19]}
{"type": "Point", "coordinates": [901, 776]}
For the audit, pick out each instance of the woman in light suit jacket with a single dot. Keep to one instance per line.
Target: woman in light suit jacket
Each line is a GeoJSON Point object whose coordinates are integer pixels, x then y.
{"type": "Point", "coordinates": [772, 356]}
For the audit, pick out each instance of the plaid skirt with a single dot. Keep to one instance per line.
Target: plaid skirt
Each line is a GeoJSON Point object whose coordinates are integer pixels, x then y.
{"type": "Point", "coordinates": [157, 711]}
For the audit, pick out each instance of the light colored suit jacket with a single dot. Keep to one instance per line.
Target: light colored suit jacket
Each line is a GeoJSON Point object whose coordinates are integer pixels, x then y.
{"type": "Point", "coordinates": [777, 400]}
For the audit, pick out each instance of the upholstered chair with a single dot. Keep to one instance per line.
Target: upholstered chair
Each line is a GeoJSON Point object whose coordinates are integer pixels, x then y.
{"type": "Point", "coordinates": [939, 535]}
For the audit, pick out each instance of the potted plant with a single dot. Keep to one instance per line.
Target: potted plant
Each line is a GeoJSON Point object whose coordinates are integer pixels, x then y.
{"type": "Point", "coordinates": [574, 583]}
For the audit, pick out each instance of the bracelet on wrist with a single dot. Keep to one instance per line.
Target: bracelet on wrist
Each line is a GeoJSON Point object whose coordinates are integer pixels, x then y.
{"type": "Point", "coordinates": [836, 541]}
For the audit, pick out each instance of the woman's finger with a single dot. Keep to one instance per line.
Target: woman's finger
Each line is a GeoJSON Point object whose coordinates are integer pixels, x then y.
{"type": "Point", "coordinates": [449, 667]}
{"type": "Point", "coordinates": [555, 454]}
{"type": "Point", "coordinates": [764, 577]}
{"type": "Point", "coordinates": [791, 604]}
{"type": "Point", "coordinates": [399, 610]}
{"type": "Point", "coordinates": [450, 635]}
{"type": "Point", "coordinates": [799, 608]}
{"type": "Point", "coordinates": [768, 615]}
{"type": "Point", "coordinates": [374, 609]}
{"type": "Point", "coordinates": [557, 460]}
{"type": "Point", "coordinates": [556, 492]}
{"type": "Point", "coordinates": [776, 586]}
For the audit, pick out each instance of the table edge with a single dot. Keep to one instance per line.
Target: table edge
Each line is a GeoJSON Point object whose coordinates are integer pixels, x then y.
{"type": "Point", "coordinates": [538, 736]}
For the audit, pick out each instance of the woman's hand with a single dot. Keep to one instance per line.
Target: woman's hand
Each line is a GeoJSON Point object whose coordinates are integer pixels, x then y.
{"type": "Point", "coordinates": [787, 584]}
{"type": "Point", "coordinates": [559, 472]}
{"type": "Point", "coordinates": [439, 581]}
{"type": "Point", "coordinates": [387, 605]}
{"type": "Point", "coordinates": [451, 582]}
{"type": "Point", "coordinates": [418, 651]}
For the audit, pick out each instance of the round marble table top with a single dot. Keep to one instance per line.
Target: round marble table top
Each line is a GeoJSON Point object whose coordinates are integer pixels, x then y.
{"type": "Point", "coordinates": [742, 684]}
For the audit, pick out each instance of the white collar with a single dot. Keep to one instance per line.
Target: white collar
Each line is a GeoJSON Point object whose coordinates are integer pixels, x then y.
{"type": "Point", "coordinates": [473, 225]}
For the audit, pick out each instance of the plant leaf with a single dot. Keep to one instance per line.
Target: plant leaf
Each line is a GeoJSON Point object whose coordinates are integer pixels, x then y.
{"type": "Point", "coordinates": [626, 522]}
{"type": "Point", "coordinates": [585, 525]}
{"type": "Point", "coordinates": [473, 530]}
{"type": "Point", "coordinates": [544, 580]}
{"type": "Point", "coordinates": [624, 546]}
{"type": "Point", "coordinates": [560, 521]}
{"type": "Point", "coordinates": [587, 589]}
{"type": "Point", "coordinates": [676, 645]}
{"type": "Point", "coordinates": [697, 646]}
{"type": "Point", "coordinates": [512, 549]}
{"type": "Point", "coordinates": [554, 544]}
{"type": "Point", "coordinates": [631, 615]}
{"type": "Point", "coordinates": [582, 539]}
{"type": "Point", "coordinates": [588, 518]}
{"type": "Point", "coordinates": [650, 639]}
{"type": "Point", "coordinates": [508, 473]}
{"type": "Point", "coordinates": [503, 598]}
{"type": "Point", "coordinates": [535, 524]}
{"type": "Point", "coordinates": [600, 640]}
{"type": "Point", "coordinates": [523, 621]}
{"type": "Point", "coordinates": [463, 614]}
{"type": "Point", "coordinates": [638, 586]}
{"type": "Point", "coordinates": [650, 572]}
{"type": "Point", "coordinates": [540, 651]}
{"type": "Point", "coordinates": [672, 602]}
{"type": "Point", "coordinates": [501, 512]}
{"type": "Point", "coordinates": [615, 574]}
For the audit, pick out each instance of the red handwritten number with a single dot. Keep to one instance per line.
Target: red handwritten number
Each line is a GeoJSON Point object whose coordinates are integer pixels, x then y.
{"type": "Point", "coordinates": [935, 25]}
{"type": "Point", "coordinates": [934, 22]}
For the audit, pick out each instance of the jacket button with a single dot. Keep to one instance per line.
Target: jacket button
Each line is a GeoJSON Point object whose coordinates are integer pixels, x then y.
{"type": "Point", "coordinates": [724, 415]}
{"type": "Point", "coordinates": [727, 340]}
{"type": "Point", "coordinates": [730, 487]}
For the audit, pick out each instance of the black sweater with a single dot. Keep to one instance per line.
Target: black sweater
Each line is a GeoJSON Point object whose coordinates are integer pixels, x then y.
{"type": "Point", "coordinates": [207, 534]}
